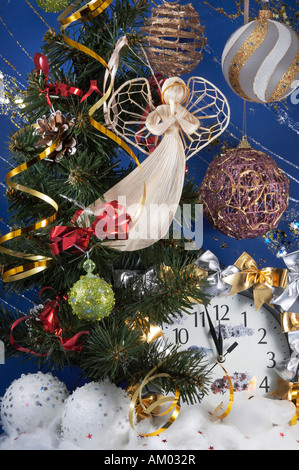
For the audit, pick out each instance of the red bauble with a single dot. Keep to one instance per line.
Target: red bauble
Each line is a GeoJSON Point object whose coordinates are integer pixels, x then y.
{"type": "Point", "coordinates": [244, 193]}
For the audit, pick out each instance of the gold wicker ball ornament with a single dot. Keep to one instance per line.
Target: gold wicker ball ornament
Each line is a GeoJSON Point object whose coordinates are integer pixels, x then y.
{"type": "Point", "coordinates": [175, 38]}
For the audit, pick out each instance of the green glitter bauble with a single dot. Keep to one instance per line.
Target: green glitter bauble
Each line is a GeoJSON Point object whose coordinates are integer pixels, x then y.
{"type": "Point", "coordinates": [53, 6]}
{"type": "Point", "coordinates": [91, 298]}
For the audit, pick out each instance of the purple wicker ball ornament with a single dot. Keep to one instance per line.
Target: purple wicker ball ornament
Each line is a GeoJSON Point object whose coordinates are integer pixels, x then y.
{"type": "Point", "coordinates": [244, 193]}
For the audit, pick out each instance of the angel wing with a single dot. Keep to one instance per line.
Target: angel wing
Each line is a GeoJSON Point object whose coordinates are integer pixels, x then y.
{"type": "Point", "coordinates": [211, 107]}
{"type": "Point", "coordinates": [127, 111]}
{"type": "Point", "coordinates": [132, 102]}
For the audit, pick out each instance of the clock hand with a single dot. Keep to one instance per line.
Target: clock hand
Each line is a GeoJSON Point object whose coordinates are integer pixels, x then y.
{"type": "Point", "coordinates": [214, 335]}
{"type": "Point", "coordinates": [220, 340]}
{"type": "Point", "coordinates": [231, 348]}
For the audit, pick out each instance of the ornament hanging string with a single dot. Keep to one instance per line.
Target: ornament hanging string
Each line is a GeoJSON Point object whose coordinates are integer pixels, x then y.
{"type": "Point", "coordinates": [246, 19]}
{"type": "Point", "coordinates": [87, 12]}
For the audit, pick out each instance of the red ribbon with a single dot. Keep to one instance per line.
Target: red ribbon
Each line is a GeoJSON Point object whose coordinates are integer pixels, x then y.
{"type": "Point", "coordinates": [93, 87]}
{"type": "Point", "coordinates": [67, 237]}
{"type": "Point", "coordinates": [49, 319]}
{"type": "Point", "coordinates": [112, 223]}
{"type": "Point", "coordinates": [59, 89]}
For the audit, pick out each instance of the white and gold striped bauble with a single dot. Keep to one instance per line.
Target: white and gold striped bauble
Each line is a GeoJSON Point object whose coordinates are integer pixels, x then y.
{"type": "Point", "coordinates": [260, 61]}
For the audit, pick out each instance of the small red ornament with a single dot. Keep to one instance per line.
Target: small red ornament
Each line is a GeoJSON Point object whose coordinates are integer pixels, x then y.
{"type": "Point", "coordinates": [244, 193]}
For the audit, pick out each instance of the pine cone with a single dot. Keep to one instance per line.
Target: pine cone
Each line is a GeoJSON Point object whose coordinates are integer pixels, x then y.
{"type": "Point", "coordinates": [57, 126]}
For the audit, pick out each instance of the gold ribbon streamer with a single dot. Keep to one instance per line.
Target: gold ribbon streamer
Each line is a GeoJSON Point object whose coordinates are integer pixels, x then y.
{"type": "Point", "coordinates": [262, 280]}
{"type": "Point", "coordinates": [39, 262]}
{"type": "Point", "coordinates": [137, 400]}
{"type": "Point", "coordinates": [231, 397]}
{"type": "Point", "coordinates": [86, 13]}
{"type": "Point", "coordinates": [288, 391]}
{"type": "Point", "coordinates": [289, 321]}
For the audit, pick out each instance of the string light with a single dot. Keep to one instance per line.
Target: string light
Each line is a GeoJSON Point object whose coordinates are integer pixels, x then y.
{"type": "Point", "coordinates": [11, 98]}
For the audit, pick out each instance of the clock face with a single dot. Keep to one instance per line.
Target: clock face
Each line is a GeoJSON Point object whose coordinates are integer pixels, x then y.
{"type": "Point", "coordinates": [261, 345]}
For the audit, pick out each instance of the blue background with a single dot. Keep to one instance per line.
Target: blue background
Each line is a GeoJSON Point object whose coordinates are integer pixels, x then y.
{"type": "Point", "coordinates": [273, 129]}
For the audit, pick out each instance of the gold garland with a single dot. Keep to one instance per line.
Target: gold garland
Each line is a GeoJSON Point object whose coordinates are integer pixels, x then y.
{"type": "Point", "coordinates": [36, 12]}
{"type": "Point", "coordinates": [228, 15]}
{"type": "Point", "coordinates": [20, 45]}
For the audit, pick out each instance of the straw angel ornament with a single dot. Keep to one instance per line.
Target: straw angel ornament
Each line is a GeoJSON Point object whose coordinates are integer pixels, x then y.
{"type": "Point", "coordinates": [190, 117]}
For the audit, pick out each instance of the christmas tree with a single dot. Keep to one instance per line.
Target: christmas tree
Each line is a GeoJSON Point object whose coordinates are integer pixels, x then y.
{"type": "Point", "coordinates": [68, 162]}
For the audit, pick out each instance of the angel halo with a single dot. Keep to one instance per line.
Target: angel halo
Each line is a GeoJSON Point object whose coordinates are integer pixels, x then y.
{"type": "Point", "coordinates": [177, 123]}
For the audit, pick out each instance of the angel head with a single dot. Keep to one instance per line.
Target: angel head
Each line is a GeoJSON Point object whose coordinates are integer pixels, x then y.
{"type": "Point", "coordinates": [175, 90]}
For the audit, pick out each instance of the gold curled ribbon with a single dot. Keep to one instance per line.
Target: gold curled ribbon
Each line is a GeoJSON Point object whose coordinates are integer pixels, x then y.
{"type": "Point", "coordinates": [146, 401]}
{"type": "Point", "coordinates": [39, 262]}
{"type": "Point", "coordinates": [262, 280]}
{"type": "Point", "coordinates": [86, 13]}
{"type": "Point", "coordinates": [288, 391]}
{"type": "Point", "coordinates": [138, 401]}
{"type": "Point", "coordinates": [231, 398]}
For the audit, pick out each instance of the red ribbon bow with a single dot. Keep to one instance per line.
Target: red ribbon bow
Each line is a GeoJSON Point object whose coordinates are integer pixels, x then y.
{"type": "Point", "coordinates": [49, 319]}
{"type": "Point", "coordinates": [59, 89]}
{"type": "Point", "coordinates": [67, 237]}
{"type": "Point", "coordinates": [112, 223]}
